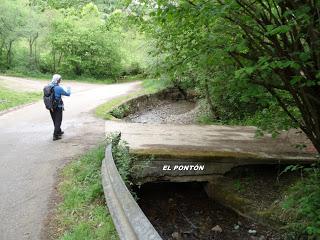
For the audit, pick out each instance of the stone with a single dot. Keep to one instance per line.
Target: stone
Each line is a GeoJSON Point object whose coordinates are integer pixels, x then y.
{"type": "Point", "coordinates": [258, 238]}
{"type": "Point", "coordinates": [176, 235]}
{"type": "Point", "coordinates": [236, 227]}
{"type": "Point", "coordinates": [217, 228]}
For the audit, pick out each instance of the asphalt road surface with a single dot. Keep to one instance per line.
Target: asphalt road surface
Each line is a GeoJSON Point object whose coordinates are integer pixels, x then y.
{"type": "Point", "coordinates": [30, 160]}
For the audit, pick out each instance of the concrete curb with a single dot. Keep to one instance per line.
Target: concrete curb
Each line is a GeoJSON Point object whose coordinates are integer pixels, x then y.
{"type": "Point", "coordinates": [128, 218]}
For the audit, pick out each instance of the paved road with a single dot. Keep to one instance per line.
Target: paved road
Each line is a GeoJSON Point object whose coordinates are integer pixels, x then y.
{"type": "Point", "coordinates": [29, 159]}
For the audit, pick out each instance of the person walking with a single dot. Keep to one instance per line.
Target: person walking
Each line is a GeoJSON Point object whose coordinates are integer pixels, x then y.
{"type": "Point", "coordinates": [56, 112]}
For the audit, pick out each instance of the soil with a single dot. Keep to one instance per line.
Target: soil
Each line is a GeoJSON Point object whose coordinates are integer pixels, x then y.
{"type": "Point", "coordinates": [165, 111]}
{"type": "Point", "coordinates": [183, 211]}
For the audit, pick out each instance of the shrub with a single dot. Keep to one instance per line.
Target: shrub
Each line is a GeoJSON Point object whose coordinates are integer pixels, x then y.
{"type": "Point", "coordinates": [303, 204]}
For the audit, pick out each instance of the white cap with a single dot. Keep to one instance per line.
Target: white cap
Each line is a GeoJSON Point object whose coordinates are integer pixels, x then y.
{"type": "Point", "coordinates": [55, 78]}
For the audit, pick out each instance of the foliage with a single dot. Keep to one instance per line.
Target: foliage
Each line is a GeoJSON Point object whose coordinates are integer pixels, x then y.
{"type": "Point", "coordinates": [154, 85]}
{"type": "Point", "coordinates": [303, 203]}
{"type": "Point", "coordinates": [241, 56]}
{"type": "Point", "coordinates": [104, 110]}
{"type": "Point", "coordinates": [122, 158]}
{"type": "Point", "coordinates": [75, 38]}
{"type": "Point", "coordinates": [82, 214]}
{"type": "Point", "coordinates": [10, 98]}
{"type": "Point", "coordinates": [82, 45]}
{"type": "Point", "coordinates": [279, 50]}
{"type": "Point", "coordinates": [121, 111]}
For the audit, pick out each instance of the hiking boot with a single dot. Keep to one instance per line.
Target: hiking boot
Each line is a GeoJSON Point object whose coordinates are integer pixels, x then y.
{"type": "Point", "coordinates": [56, 137]}
{"type": "Point", "coordinates": [60, 133]}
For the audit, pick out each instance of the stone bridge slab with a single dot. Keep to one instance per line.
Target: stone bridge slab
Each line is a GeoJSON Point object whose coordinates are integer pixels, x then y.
{"type": "Point", "coordinates": [218, 148]}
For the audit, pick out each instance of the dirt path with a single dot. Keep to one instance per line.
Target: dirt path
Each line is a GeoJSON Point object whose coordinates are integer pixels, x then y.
{"type": "Point", "coordinates": [29, 159]}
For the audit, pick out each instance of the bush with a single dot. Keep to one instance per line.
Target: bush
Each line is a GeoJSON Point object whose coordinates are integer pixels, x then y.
{"type": "Point", "coordinates": [303, 205]}
{"type": "Point", "coordinates": [121, 111]}
{"type": "Point", "coordinates": [122, 157]}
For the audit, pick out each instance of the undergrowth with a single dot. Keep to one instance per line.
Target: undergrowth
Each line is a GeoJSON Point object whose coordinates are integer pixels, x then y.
{"type": "Point", "coordinates": [83, 214]}
{"type": "Point", "coordinates": [302, 204]}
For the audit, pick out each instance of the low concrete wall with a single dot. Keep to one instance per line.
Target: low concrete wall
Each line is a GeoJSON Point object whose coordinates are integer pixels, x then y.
{"type": "Point", "coordinates": [151, 100]}
{"type": "Point", "coordinates": [128, 218]}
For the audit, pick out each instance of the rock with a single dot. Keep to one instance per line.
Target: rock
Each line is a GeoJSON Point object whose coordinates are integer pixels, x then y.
{"type": "Point", "coordinates": [217, 228]}
{"type": "Point", "coordinates": [252, 231]}
{"type": "Point", "coordinates": [254, 238]}
{"type": "Point", "coordinates": [258, 238]}
{"type": "Point", "coordinates": [176, 236]}
{"type": "Point", "coordinates": [236, 227]}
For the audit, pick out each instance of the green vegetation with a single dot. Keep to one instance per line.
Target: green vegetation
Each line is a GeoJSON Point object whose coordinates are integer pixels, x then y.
{"type": "Point", "coordinates": [78, 39]}
{"type": "Point", "coordinates": [122, 158]}
{"type": "Point", "coordinates": [301, 206]}
{"type": "Point", "coordinates": [82, 214]}
{"type": "Point", "coordinates": [103, 111]}
{"type": "Point", "coordinates": [10, 98]}
{"type": "Point", "coordinates": [250, 61]}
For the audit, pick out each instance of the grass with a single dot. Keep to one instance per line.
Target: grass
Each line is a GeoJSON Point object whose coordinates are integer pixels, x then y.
{"type": "Point", "coordinates": [149, 86]}
{"type": "Point", "coordinates": [302, 204]}
{"type": "Point", "coordinates": [10, 98]}
{"type": "Point", "coordinates": [103, 111]}
{"type": "Point", "coordinates": [82, 214]}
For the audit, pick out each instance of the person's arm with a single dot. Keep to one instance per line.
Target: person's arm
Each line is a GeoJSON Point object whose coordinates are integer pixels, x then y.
{"type": "Point", "coordinates": [63, 92]}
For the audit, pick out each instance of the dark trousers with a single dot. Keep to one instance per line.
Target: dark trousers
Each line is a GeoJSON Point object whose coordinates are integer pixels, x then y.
{"type": "Point", "coordinates": [56, 116]}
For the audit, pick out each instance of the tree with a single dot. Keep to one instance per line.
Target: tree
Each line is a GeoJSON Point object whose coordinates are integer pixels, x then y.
{"type": "Point", "coordinates": [268, 50]}
{"type": "Point", "coordinates": [280, 50]}
{"type": "Point", "coordinates": [81, 44]}
{"type": "Point", "coordinates": [11, 29]}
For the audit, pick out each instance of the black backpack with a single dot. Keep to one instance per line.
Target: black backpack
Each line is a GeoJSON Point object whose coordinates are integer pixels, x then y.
{"type": "Point", "coordinates": [48, 97]}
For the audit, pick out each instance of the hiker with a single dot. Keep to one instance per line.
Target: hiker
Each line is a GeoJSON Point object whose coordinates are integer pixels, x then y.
{"type": "Point", "coordinates": [58, 107]}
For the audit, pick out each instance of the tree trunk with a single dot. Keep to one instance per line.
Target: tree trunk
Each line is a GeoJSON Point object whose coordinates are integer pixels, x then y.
{"type": "Point", "coordinates": [35, 55]}
{"type": "Point", "coordinates": [30, 52]}
{"type": "Point", "coordinates": [212, 108]}
{"type": "Point", "coordinates": [32, 56]}
{"type": "Point", "coordinates": [9, 54]}
{"type": "Point", "coordinates": [54, 61]}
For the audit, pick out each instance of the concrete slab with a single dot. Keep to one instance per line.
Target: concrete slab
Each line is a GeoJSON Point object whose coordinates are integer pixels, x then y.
{"type": "Point", "coordinates": [194, 152]}
{"type": "Point", "coordinates": [207, 141]}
